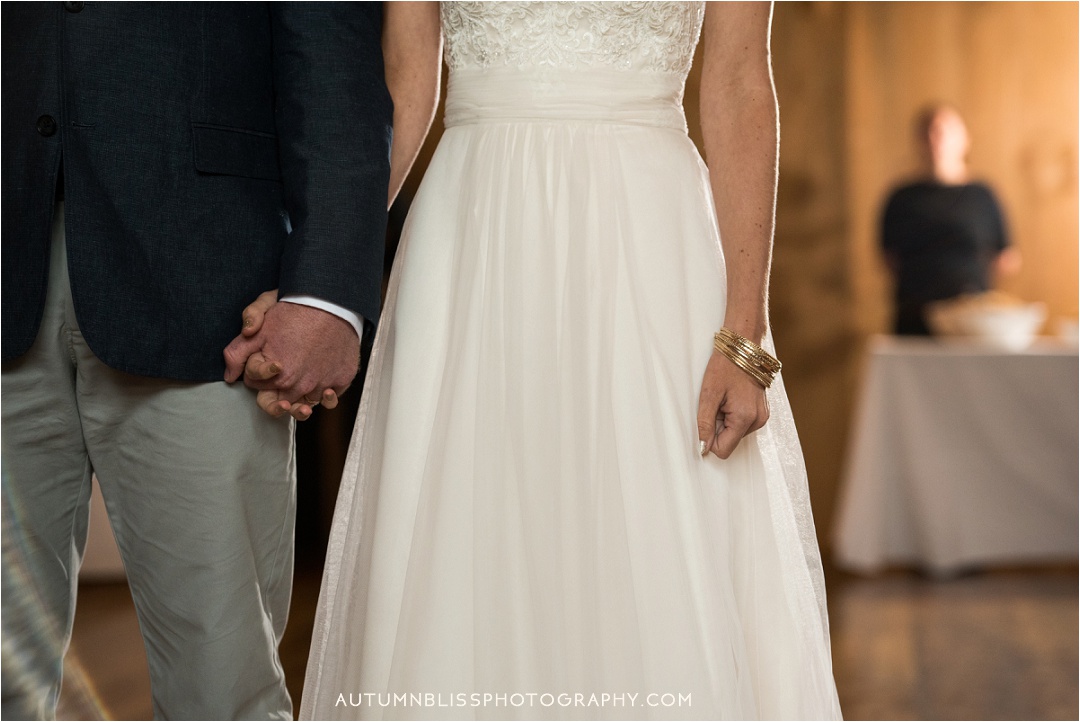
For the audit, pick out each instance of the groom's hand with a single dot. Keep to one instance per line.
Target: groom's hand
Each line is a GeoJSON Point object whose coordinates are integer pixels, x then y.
{"type": "Point", "coordinates": [313, 350]}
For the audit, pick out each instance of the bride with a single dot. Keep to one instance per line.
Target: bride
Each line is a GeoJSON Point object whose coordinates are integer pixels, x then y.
{"type": "Point", "coordinates": [562, 497]}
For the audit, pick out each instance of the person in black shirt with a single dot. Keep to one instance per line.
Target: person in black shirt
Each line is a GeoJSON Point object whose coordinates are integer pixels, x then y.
{"type": "Point", "coordinates": [944, 235]}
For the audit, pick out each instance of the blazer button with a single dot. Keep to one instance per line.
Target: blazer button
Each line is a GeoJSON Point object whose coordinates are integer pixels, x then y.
{"type": "Point", "coordinates": [73, 7]}
{"type": "Point", "coordinates": [46, 125]}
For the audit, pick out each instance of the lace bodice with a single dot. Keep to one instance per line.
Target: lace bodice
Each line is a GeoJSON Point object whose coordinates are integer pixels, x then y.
{"type": "Point", "coordinates": [657, 37]}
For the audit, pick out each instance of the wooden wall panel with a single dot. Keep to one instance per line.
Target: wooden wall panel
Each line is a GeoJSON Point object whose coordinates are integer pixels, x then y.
{"type": "Point", "coordinates": [811, 290]}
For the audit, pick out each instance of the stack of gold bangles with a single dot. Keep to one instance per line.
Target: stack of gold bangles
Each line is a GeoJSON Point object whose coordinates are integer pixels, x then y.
{"type": "Point", "coordinates": [748, 356]}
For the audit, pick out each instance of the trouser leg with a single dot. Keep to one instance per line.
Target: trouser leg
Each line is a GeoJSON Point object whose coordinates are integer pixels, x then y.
{"type": "Point", "coordinates": [46, 493]}
{"type": "Point", "coordinates": [200, 489]}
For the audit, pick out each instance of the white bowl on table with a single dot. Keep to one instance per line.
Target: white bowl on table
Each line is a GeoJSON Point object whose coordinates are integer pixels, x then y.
{"type": "Point", "coordinates": [1008, 326]}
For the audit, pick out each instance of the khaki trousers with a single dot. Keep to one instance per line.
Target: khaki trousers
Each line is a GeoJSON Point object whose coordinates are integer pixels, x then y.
{"type": "Point", "coordinates": [200, 490]}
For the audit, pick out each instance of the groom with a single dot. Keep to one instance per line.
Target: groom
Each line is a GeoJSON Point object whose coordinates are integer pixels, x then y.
{"type": "Point", "coordinates": [163, 165]}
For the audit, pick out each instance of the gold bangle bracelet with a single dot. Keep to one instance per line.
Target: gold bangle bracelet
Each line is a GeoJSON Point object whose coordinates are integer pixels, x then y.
{"type": "Point", "coordinates": [767, 360]}
{"type": "Point", "coordinates": [730, 343]}
{"type": "Point", "coordinates": [762, 377]}
{"type": "Point", "coordinates": [755, 361]}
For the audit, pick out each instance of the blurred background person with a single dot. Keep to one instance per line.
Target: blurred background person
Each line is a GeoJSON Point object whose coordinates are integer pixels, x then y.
{"type": "Point", "coordinates": [943, 235]}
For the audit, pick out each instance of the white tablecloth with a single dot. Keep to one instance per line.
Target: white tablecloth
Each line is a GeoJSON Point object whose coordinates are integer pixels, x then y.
{"type": "Point", "coordinates": [961, 455]}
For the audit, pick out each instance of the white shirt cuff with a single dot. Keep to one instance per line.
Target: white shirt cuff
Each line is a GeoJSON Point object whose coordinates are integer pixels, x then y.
{"type": "Point", "coordinates": [356, 321]}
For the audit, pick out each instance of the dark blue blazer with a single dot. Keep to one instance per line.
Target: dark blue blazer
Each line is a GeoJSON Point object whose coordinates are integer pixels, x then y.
{"type": "Point", "coordinates": [209, 152]}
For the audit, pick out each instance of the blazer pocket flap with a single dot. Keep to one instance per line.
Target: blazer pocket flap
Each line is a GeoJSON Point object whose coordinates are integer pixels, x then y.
{"type": "Point", "coordinates": [235, 151]}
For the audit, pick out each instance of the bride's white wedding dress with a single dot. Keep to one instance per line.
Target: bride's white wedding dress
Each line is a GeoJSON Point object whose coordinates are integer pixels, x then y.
{"type": "Point", "coordinates": [524, 520]}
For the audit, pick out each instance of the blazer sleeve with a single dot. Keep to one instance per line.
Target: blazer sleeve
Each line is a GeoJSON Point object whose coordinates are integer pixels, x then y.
{"type": "Point", "coordinates": [334, 124]}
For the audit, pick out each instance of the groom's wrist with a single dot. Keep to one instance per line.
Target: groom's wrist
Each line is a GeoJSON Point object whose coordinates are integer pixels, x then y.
{"type": "Point", "coordinates": [353, 319]}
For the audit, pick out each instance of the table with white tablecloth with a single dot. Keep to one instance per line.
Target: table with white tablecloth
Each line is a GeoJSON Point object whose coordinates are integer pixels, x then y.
{"type": "Point", "coordinates": [961, 455]}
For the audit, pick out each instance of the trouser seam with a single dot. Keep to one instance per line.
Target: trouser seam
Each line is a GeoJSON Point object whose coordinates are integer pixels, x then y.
{"type": "Point", "coordinates": [82, 500]}
{"type": "Point", "coordinates": [274, 575]}
{"type": "Point", "coordinates": [276, 578]}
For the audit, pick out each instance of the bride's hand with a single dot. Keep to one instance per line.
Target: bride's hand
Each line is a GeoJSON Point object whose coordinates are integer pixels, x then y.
{"type": "Point", "coordinates": [731, 405]}
{"type": "Point", "coordinates": [260, 368]}
{"type": "Point", "coordinates": [254, 314]}
{"type": "Point", "coordinates": [272, 403]}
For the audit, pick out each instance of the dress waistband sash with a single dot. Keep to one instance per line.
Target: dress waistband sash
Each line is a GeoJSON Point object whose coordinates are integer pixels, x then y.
{"type": "Point", "coordinates": [509, 95]}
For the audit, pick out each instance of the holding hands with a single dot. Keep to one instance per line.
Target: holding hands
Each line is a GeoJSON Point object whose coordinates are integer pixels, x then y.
{"type": "Point", "coordinates": [295, 356]}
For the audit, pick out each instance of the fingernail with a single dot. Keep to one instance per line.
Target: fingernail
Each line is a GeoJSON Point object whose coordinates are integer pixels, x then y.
{"type": "Point", "coordinates": [275, 369]}
{"type": "Point", "coordinates": [702, 448]}
{"type": "Point", "coordinates": [247, 321]}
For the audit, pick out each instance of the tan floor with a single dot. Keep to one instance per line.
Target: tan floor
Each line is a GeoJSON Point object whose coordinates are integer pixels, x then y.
{"type": "Point", "coordinates": [996, 645]}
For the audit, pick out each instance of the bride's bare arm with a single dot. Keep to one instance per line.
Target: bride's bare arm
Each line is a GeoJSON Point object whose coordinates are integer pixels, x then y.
{"type": "Point", "coordinates": [741, 133]}
{"type": "Point", "coordinates": [412, 53]}
{"type": "Point", "coordinates": [739, 126]}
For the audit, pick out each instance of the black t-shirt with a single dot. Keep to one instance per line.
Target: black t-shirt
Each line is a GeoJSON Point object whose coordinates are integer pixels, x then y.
{"type": "Point", "coordinates": [943, 240]}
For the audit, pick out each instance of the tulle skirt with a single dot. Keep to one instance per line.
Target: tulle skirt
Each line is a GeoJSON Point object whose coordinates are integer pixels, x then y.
{"type": "Point", "coordinates": [525, 528]}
